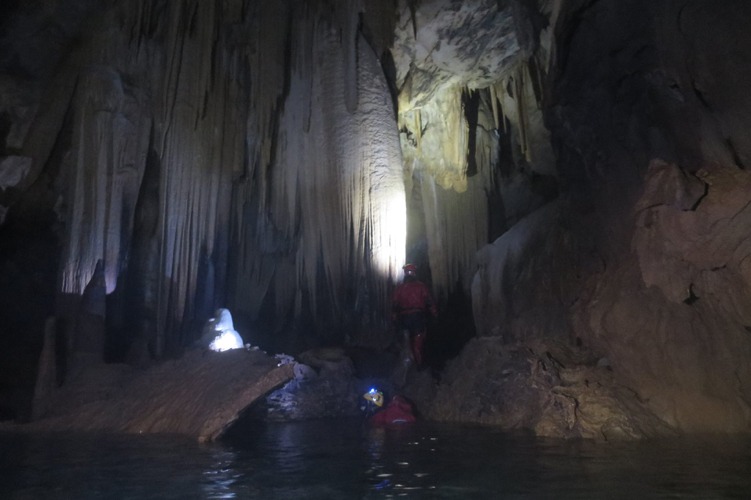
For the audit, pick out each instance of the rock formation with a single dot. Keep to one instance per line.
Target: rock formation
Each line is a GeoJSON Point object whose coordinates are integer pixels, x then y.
{"type": "Point", "coordinates": [568, 173]}
{"type": "Point", "coordinates": [200, 395]}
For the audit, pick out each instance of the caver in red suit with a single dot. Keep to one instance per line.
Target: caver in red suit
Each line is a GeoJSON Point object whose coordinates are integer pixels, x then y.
{"type": "Point", "coordinates": [410, 306]}
{"type": "Point", "coordinates": [397, 411]}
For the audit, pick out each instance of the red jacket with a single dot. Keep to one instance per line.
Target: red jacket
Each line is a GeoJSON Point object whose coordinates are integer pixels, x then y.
{"type": "Point", "coordinates": [411, 297]}
{"type": "Point", "coordinates": [398, 411]}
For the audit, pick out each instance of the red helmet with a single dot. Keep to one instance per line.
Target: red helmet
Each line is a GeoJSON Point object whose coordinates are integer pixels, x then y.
{"type": "Point", "coordinates": [410, 270]}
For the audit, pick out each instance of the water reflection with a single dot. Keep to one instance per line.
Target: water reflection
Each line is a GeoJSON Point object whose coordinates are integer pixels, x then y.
{"type": "Point", "coordinates": [343, 459]}
{"type": "Point", "coordinates": [220, 477]}
{"type": "Point", "coordinates": [392, 466]}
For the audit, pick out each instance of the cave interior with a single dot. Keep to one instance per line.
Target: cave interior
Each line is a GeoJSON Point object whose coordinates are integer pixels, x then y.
{"type": "Point", "coordinates": [570, 177]}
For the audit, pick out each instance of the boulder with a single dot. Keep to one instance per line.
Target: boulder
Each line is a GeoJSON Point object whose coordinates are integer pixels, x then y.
{"type": "Point", "coordinates": [546, 387]}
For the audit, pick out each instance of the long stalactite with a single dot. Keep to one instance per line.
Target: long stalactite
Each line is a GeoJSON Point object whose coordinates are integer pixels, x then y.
{"type": "Point", "coordinates": [277, 154]}
{"type": "Point", "coordinates": [249, 155]}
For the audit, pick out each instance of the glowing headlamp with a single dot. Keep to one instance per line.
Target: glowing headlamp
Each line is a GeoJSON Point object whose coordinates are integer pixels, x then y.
{"type": "Point", "coordinates": [374, 396]}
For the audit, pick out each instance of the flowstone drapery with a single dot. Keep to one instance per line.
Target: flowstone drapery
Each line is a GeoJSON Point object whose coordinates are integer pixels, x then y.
{"type": "Point", "coordinates": [331, 205]}
{"type": "Point", "coordinates": [258, 156]}
{"type": "Point", "coordinates": [471, 127]}
{"type": "Point", "coordinates": [251, 138]}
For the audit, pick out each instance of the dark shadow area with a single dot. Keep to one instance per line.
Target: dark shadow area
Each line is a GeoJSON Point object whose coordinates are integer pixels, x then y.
{"type": "Point", "coordinates": [29, 257]}
{"type": "Point", "coordinates": [451, 331]}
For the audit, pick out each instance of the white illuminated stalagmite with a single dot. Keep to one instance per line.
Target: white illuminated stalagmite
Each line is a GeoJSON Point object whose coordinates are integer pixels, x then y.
{"type": "Point", "coordinates": [219, 333]}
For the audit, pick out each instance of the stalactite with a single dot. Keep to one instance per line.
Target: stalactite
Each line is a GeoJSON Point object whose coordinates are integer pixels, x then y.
{"type": "Point", "coordinates": [349, 21]}
{"type": "Point", "coordinates": [199, 143]}
{"type": "Point", "coordinates": [442, 148]}
{"type": "Point", "coordinates": [279, 160]}
{"type": "Point", "coordinates": [518, 107]}
{"type": "Point", "coordinates": [109, 147]}
{"type": "Point", "coordinates": [188, 163]}
{"type": "Point", "coordinates": [487, 150]}
{"type": "Point", "coordinates": [335, 192]}
{"type": "Point", "coordinates": [418, 127]}
{"type": "Point", "coordinates": [261, 246]}
{"type": "Point", "coordinates": [268, 59]}
{"type": "Point", "coordinates": [521, 112]}
{"type": "Point", "coordinates": [457, 221]}
{"type": "Point", "coordinates": [496, 107]}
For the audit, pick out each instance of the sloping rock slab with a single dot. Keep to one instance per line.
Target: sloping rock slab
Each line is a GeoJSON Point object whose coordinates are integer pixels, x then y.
{"type": "Point", "coordinates": [199, 395]}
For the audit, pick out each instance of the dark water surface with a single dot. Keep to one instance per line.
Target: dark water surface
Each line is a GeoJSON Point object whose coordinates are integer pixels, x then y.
{"type": "Point", "coordinates": [340, 459]}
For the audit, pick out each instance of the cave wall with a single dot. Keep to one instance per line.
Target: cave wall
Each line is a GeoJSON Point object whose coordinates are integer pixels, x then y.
{"type": "Point", "coordinates": [249, 155]}
{"type": "Point", "coordinates": [208, 154]}
{"type": "Point", "coordinates": [244, 154]}
{"type": "Point", "coordinates": [671, 312]}
{"type": "Point", "coordinates": [255, 155]}
{"type": "Point", "coordinates": [644, 261]}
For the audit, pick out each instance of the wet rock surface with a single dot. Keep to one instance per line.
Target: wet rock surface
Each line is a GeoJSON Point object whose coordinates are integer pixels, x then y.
{"type": "Point", "coordinates": [324, 385]}
{"type": "Point", "coordinates": [548, 388]}
{"type": "Point", "coordinates": [200, 395]}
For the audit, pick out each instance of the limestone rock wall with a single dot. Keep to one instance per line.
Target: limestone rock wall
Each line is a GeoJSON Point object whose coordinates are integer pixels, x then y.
{"type": "Point", "coordinates": [264, 156]}
{"type": "Point", "coordinates": [648, 127]}
{"type": "Point", "coordinates": [671, 311]}
{"type": "Point", "coordinates": [546, 387]}
{"type": "Point", "coordinates": [210, 154]}
{"type": "Point", "coordinates": [529, 278]}
{"type": "Point", "coordinates": [675, 315]}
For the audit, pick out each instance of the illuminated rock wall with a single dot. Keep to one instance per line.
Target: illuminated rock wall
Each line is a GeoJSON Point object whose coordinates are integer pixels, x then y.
{"type": "Point", "coordinates": [471, 127]}
{"type": "Point", "coordinates": [329, 210]}
{"type": "Point", "coordinates": [242, 154]}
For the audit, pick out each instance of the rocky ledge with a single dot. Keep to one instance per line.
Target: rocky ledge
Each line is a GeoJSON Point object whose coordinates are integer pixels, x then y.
{"type": "Point", "coordinates": [549, 388]}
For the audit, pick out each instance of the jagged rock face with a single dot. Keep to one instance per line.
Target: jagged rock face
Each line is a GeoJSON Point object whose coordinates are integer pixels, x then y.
{"type": "Point", "coordinates": [547, 387]}
{"type": "Point", "coordinates": [681, 335]}
{"type": "Point", "coordinates": [646, 263]}
{"type": "Point", "coordinates": [672, 312]}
